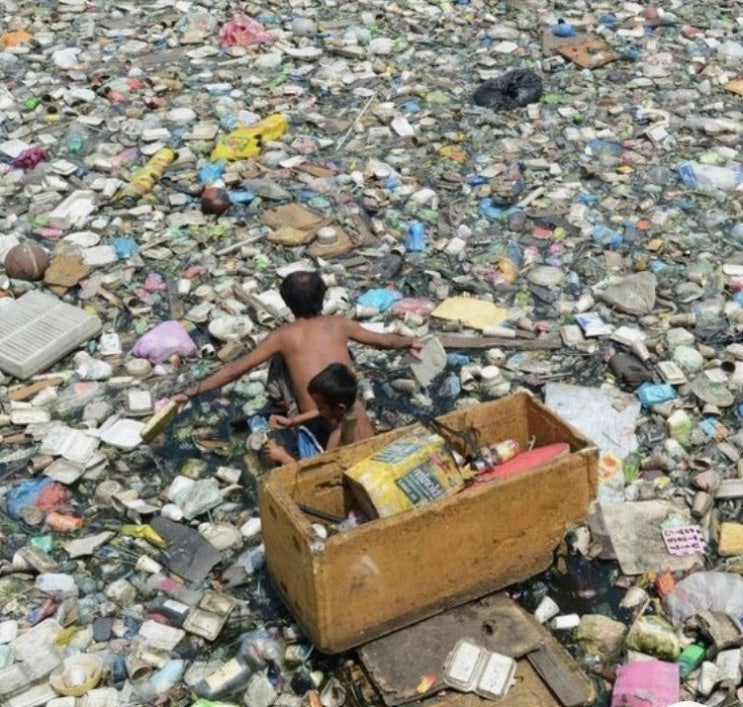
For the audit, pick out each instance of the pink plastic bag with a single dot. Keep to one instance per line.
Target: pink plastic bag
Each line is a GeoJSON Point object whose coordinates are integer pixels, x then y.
{"type": "Point", "coordinates": [163, 341]}
{"type": "Point", "coordinates": [415, 305]}
{"type": "Point", "coordinates": [243, 31]}
{"type": "Point", "coordinates": [644, 683]}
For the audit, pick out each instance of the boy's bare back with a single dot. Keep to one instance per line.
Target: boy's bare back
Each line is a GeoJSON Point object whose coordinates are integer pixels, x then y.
{"type": "Point", "coordinates": [309, 346]}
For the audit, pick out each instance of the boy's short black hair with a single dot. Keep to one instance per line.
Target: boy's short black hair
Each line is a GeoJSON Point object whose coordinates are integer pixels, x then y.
{"type": "Point", "coordinates": [336, 385]}
{"type": "Point", "coordinates": [304, 293]}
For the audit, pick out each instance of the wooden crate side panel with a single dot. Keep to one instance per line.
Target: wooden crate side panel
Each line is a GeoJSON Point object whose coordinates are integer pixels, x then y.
{"type": "Point", "coordinates": [288, 557]}
{"type": "Point", "coordinates": [397, 570]}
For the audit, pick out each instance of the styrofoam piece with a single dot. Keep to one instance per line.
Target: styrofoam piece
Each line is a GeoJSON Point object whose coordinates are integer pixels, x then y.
{"type": "Point", "coordinates": [38, 329]}
{"type": "Point", "coordinates": [74, 210]}
{"type": "Point", "coordinates": [73, 445]}
{"type": "Point", "coordinates": [473, 668]}
{"type": "Point", "coordinates": [431, 362]}
{"type": "Point", "coordinates": [124, 434]}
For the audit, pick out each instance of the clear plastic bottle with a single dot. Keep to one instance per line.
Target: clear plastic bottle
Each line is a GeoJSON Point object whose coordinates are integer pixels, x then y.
{"type": "Point", "coordinates": [230, 677]}
{"type": "Point", "coordinates": [709, 177]}
{"type": "Point", "coordinates": [730, 51]}
{"type": "Point", "coordinates": [76, 141]}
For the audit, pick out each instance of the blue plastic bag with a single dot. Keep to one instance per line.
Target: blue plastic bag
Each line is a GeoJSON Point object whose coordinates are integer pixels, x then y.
{"type": "Point", "coordinates": [24, 494]}
{"type": "Point", "coordinates": [380, 299]}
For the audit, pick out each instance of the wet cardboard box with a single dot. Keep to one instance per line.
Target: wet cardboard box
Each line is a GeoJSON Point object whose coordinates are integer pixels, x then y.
{"type": "Point", "coordinates": [383, 575]}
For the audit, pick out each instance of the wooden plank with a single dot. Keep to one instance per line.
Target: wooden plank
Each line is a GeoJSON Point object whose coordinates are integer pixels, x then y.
{"type": "Point", "coordinates": [559, 670]}
{"type": "Point", "coordinates": [454, 341]}
{"type": "Point", "coordinates": [527, 691]}
{"type": "Point", "coordinates": [28, 391]}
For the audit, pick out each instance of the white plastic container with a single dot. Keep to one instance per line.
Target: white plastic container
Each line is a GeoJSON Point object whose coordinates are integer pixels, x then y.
{"type": "Point", "coordinates": [472, 668]}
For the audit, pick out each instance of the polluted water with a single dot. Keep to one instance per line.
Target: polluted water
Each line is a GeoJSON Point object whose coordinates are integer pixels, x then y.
{"type": "Point", "coordinates": [545, 195]}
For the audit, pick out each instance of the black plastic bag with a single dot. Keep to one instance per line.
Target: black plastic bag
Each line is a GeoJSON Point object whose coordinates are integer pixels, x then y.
{"type": "Point", "coordinates": [514, 89]}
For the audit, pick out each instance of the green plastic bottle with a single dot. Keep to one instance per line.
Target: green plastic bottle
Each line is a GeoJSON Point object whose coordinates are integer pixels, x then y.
{"type": "Point", "coordinates": [690, 659]}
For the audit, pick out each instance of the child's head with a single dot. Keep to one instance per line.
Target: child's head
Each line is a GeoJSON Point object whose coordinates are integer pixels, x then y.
{"type": "Point", "coordinates": [334, 391]}
{"type": "Point", "coordinates": [304, 293]}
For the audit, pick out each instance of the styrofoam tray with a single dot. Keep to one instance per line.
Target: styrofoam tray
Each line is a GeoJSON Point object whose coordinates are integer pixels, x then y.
{"type": "Point", "coordinates": [38, 329]}
{"type": "Point", "coordinates": [472, 668]}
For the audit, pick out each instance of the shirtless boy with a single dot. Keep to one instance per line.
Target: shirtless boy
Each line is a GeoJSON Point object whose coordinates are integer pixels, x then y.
{"type": "Point", "coordinates": [308, 345]}
{"type": "Point", "coordinates": [334, 391]}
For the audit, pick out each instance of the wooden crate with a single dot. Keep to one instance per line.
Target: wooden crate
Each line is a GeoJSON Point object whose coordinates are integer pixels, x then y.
{"type": "Point", "coordinates": [391, 572]}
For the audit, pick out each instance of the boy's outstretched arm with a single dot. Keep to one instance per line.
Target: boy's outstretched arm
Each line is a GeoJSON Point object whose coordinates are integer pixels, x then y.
{"type": "Point", "coordinates": [270, 346]}
{"type": "Point", "coordinates": [362, 335]}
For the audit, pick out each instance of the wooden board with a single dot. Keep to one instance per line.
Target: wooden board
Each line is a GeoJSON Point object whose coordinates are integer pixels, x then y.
{"type": "Point", "coordinates": [527, 691]}
{"type": "Point", "coordinates": [558, 669]}
{"type": "Point", "coordinates": [397, 663]}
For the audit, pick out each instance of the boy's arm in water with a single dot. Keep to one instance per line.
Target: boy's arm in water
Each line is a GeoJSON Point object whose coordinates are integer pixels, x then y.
{"type": "Point", "coordinates": [279, 421]}
{"type": "Point", "coordinates": [334, 440]}
{"type": "Point", "coordinates": [270, 346]}
{"type": "Point", "coordinates": [362, 335]}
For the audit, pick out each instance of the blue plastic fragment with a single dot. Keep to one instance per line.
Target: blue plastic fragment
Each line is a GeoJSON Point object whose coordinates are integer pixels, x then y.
{"type": "Point", "coordinates": [564, 29]}
{"type": "Point", "coordinates": [211, 172]}
{"type": "Point", "coordinates": [380, 299]}
{"type": "Point", "coordinates": [708, 426]}
{"type": "Point", "coordinates": [416, 237]}
{"type": "Point", "coordinates": [124, 247]}
{"type": "Point", "coordinates": [654, 393]}
{"type": "Point", "coordinates": [603, 235]}
{"type": "Point", "coordinates": [456, 360]}
{"type": "Point", "coordinates": [241, 197]}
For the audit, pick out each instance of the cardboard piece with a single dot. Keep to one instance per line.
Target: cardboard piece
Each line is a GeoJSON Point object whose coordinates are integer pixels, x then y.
{"type": "Point", "coordinates": [472, 312]}
{"type": "Point", "coordinates": [343, 245]}
{"type": "Point", "coordinates": [398, 662]}
{"type": "Point", "coordinates": [585, 50]}
{"type": "Point", "coordinates": [634, 529]}
{"type": "Point", "coordinates": [290, 236]}
{"type": "Point", "coordinates": [392, 572]}
{"type": "Point", "coordinates": [293, 215]}
{"type": "Point", "coordinates": [734, 86]}
{"type": "Point", "coordinates": [66, 271]}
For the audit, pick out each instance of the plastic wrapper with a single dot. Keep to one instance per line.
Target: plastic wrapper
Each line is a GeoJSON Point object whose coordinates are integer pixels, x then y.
{"type": "Point", "coordinates": [247, 141]}
{"type": "Point", "coordinates": [243, 31]}
{"type": "Point", "coordinates": [413, 305]}
{"type": "Point", "coordinates": [711, 591]}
